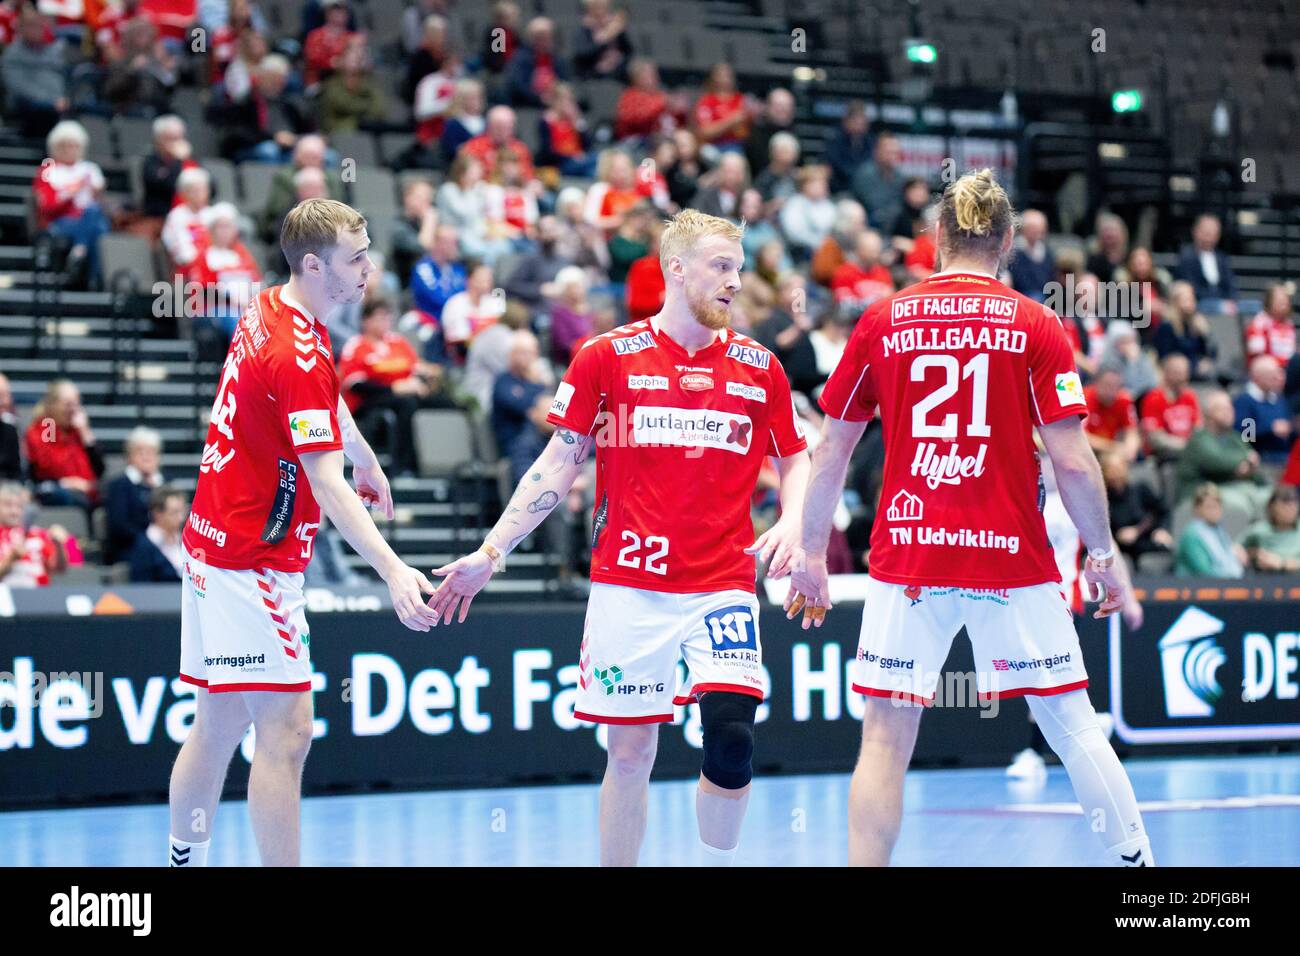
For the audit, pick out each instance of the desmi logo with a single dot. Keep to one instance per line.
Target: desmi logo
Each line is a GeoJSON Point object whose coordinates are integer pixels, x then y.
{"type": "Point", "coordinates": [1189, 658]}
{"type": "Point", "coordinates": [749, 355]}
{"type": "Point", "coordinates": [633, 343]}
{"type": "Point", "coordinates": [732, 628]}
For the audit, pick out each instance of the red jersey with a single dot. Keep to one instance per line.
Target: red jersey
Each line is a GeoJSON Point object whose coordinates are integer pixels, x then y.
{"type": "Point", "coordinates": [962, 368]}
{"type": "Point", "coordinates": [36, 552]}
{"type": "Point", "coordinates": [1109, 420]}
{"type": "Point", "coordinates": [1266, 335]}
{"type": "Point", "coordinates": [278, 397]}
{"type": "Point", "coordinates": [853, 283]}
{"type": "Point", "coordinates": [1179, 417]}
{"type": "Point", "coordinates": [384, 362]}
{"type": "Point", "coordinates": [713, 108]}
{"type": "Point", "coordinates": [680, 440]}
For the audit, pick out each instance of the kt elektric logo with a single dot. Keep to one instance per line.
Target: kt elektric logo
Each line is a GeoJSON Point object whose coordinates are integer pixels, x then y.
{"type": "Point", "coordinates": [732, 628]}
{"type": "Point", "coordinates": [1189, 660]}
{"type": "Point", "coordinates": [609, 676]}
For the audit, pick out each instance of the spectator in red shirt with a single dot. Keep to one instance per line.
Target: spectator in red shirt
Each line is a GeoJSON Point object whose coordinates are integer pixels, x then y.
{"type": "Point", "coordinates": [326, 43]}
{"type": "Point", "coordinates": [723, 115]}
{"type": "Point", "coordinates": [536, 67]}
{"type": "Point", "coordinates": [499, 135]}
{"type": "Point", "coordinates": [642, 109]}
{"type": "Point", "coordinates": [920, 260]}
{"type": "Point", "coordinates": [645, 287]}
{"type": "Point", "coordinates": [67, 189]}
{"type": "Point", "coordinates": [1112, 420]}
{"type": "Point", "coordinates": [1272, 331]}
{"type": "Point", "coordinates": [611, 198]}
{"type": "Point", "coordinates": [562, 135]}
{"type": "Point", "coordinates": [186, 228]}
{"type": "Point", "coordinates": [862, 280]}
{"type": "Point", "coordinates": [28, 555]}
{"type": "Point", "coordinates": [1170, 412]}
{"type": "Point", "coordinates": [380, 371]}
{"type": "Point", "coordinates": [224, 45]}
{"type": "Point", "coordinates": [225, 268]}
{"type": "Point", "coordinates": [62, 454]}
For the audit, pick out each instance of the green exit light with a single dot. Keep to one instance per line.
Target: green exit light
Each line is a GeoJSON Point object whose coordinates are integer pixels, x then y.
{"type": "Point", "coordinates": [922, 52]}
{"type": "Point", "coordinates": [1126, 101]}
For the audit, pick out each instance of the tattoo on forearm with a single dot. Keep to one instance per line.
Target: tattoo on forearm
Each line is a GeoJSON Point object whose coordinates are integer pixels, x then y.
{"type": "Point", "coordinates": [568, 437]}
{"type": "Point", "coordinates": [543, 502]}
{"type": "Point", "coordinates": [536, 476]}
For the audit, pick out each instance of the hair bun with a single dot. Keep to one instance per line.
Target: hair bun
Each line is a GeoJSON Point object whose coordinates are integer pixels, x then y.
{"type": "Point", "coordinates": [974, 198]}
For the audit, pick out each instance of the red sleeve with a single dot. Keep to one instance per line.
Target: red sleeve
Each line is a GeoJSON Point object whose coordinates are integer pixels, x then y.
{"type": "Point", "coordinates": [1151, 410]}
{"type": "Point", "coordinates": [307, 390]}
{"type": "Point", "coordinates": [581, 396]}
{"type": "Point", "coordinates": [247, 262]}
{"type": "Point", "coordinates": [849, 394]}
{"type": "Point", "coordinates": [785, 431]}
{"type": "Point", "coordinates": [40, 454]}
{"type": "Point", "coordinates": [198, 271]}
{"type": "Point", "coordinates": [1128, 410]}
{"type": "Point", "coordinates": [1054, 387]}
{"type": "Point", "coordinates": [48, 204]}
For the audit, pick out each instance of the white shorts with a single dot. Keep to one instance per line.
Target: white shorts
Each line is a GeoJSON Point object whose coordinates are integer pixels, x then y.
{"type": "Point", "coordinates": [1023, 640]}
{"type": "Point", "coordinates": [243, 630]}
{"type": "Point", "coordinates": [632, 640]}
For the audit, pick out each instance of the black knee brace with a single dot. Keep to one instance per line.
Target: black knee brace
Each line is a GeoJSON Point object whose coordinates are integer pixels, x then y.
{"type": "Point", "coordinates": [727, 721]}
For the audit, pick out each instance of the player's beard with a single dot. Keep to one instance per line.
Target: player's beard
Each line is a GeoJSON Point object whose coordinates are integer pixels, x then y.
{"type": "Point", "coordinates": [341, 291]}
{"type": "Point", "coordinates": [709, 312]}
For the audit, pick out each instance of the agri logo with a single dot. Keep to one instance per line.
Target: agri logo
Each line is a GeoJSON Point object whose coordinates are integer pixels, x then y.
{"type": "Point", "coordinates": [1189, 660]}
{"type": "Point", "coordinates": [310, 426]}
{"type": "Point", "coordinates": [609, 676]}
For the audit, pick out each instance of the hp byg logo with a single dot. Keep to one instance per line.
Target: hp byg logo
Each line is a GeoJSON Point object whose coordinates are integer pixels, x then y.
{"type": "Point", "coordinates": [732, 628]}
{"type": "Point", "coordinates": [1189, 659]}
{"type": "Point", "coordinates": [609, 676]}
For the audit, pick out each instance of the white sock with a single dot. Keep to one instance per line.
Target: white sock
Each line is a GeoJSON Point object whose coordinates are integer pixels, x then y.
{"type": "Point", "coordinates": [715, 857]}
{"type": "Point", "coordinates": [1133, 853]}
{"type": "Point", "coordinates": [180, 853]}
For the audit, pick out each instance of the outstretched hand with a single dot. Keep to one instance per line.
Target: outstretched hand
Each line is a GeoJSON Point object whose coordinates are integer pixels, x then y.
{"type": "Point", "coordinates": [461, 580]}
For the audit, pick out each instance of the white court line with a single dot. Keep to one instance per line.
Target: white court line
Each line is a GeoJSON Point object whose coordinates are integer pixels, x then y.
{"type": "Point", "coordinates": [1163, 806]}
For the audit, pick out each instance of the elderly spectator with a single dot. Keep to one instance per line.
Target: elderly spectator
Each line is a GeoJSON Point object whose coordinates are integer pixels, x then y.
{"type": "Point", "coordinates": [34, 76]}
{"type": "Point", "coordinates": [501, 37]}
{"type": "Point", "coordinates": [537, 66]}
{"type": "Point", "coordinates": [1207, 269]}
{"type": "Point", "coordinates": [777, 117]}
{"type": "Point", "coordinates": [862, 280]}
{"type": "Point", "coordinates": [62, 454]}
{"type": "Point", "coordinates": [722, 116]}
{"type": "Point", "coordinates": [157, 555]}
{"type": "Point", "coordinates": [538, 266]}
{"type": "Point", "coordinates": [1262, 411]}
{"type": "Point", "coordinates": [1184, 331]}
{"type": "Point", "coordinates": [413, 231]}
{"type": "Point", "coordinates": [379, 371]}
{"type": "Point", "coordinates": [464, 119]}
{"type": "Point", "coordinates": [127, 496]}
{"type": "Point", "coordinates": [603, 47]}
{"type": "Point", "coordinates": [1217, 452]}
{"type": "Point", "coordinates": [226, 269]}
{"type": "Point", "coordinates": [428, 58]}
{"type": "Point", "coordinates": [434, 97]}
{"type": "Point", "coordinates": [779, 181]}
{"type": "Point", "coordinates": [470, 311]}
{"type": "Point", "coordinates": [1110, 244]}
{"type": "Point", "coordinates": [571, 315]}
{"type": "Point", "coordinates": [11, 464]}
{"type": "Point", "coordinates": [437, 277]}
{"type": "Point", "coordinates": [308, 153]}
{"type": "Point", "coordinates": [878, 185]}
{"type": "Point", "coordinates": [351, 97]}
{"type": "Point", "coordinates": [1123, 353]}
{"type": "Point", "coordinates": [1171, 412]}
{"type": "Point", "coordinates": [499, 135]}
{"type": "Point", "coordinates": [1112, 420]}
{"type": "Point", "coordinates": [67, 190]}
{"type": "Point", "coordinates": [1272, 330]}
{"type": "Point", "coordinates": [1138, 515]}
{"type": "Point", "coordinates": [141, 81]}
{"type": "Point", "coordinates": [186, 227]}
{"type": "Point", "coordinates": [688, 169]}
{"type": "Point", "coordinates": [807, 217]}
{"type": "Point", "coordinates": [643, 108]}
{"type": "Point", "coordinates": [1273, 544]}
{"type": "Point", "coordinates": [562, 134]}
{"type": "Point", "coordinates": [837, 248]}
{"type": "Point", "coordinates": [1204, 548]}
{"type": "Point", "coordinates": [326, 43]}
{"type": "Point", "coordinates": [264, 125]}
{"type": "Point", "coordinates": [1033, 266]}
{"type": "Point", "coordinates": [162, 167]}
{"type": "Point", "coordinates": [720, 191]}
{"type": "Point", "coordinates": [520, 399]}
{"type": "Point", "coordinates": [28, 555]}
{"type": "Point", "coordinates": [850, 147]}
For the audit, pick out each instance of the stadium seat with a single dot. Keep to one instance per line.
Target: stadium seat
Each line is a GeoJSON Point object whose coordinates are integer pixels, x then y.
{"type": "Point", "coordinates": [393, 145]}
{"type": "Point", "coordinates": [256, 178]}
{"type": "Point", "coordinates": [119, 251]}
{"type": "Point", "coordinates": [373, 194]}
{"type": "Point", "coordinates": [444, 442]}
{"type": "Point", "coordinates": [72, 518]}
{"type": "Point", "coordinates": [359, 147]}
{"type": "Point", "coordinates": [225, 186]}
{"type": "Point", "coordinates": [134, 135]}
{"type": "Point", "coordinates": [102, 146]}
{"type": "Point", "coordinates": [1225, 333]}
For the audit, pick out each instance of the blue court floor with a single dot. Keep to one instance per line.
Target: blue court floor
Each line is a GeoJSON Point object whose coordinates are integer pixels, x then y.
{"type": "Point", "coordinates": [1237, 811]}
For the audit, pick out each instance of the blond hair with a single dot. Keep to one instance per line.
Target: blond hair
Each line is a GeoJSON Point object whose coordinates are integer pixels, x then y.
{"type": "Point", "coordinates": [976, 215]}
{"type": "Point", "coordinates": [314, 226]}
{"type": "Point", "coordinates": [687, 228]}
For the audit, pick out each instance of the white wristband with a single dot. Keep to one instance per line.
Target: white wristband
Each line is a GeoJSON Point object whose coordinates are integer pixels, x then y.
{"type": "Point", "coordinates": [1097, 554]}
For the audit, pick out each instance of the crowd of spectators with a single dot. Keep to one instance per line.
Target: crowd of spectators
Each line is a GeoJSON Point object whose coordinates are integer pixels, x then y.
{"type": "Point", "coordinates": [527, 223]}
